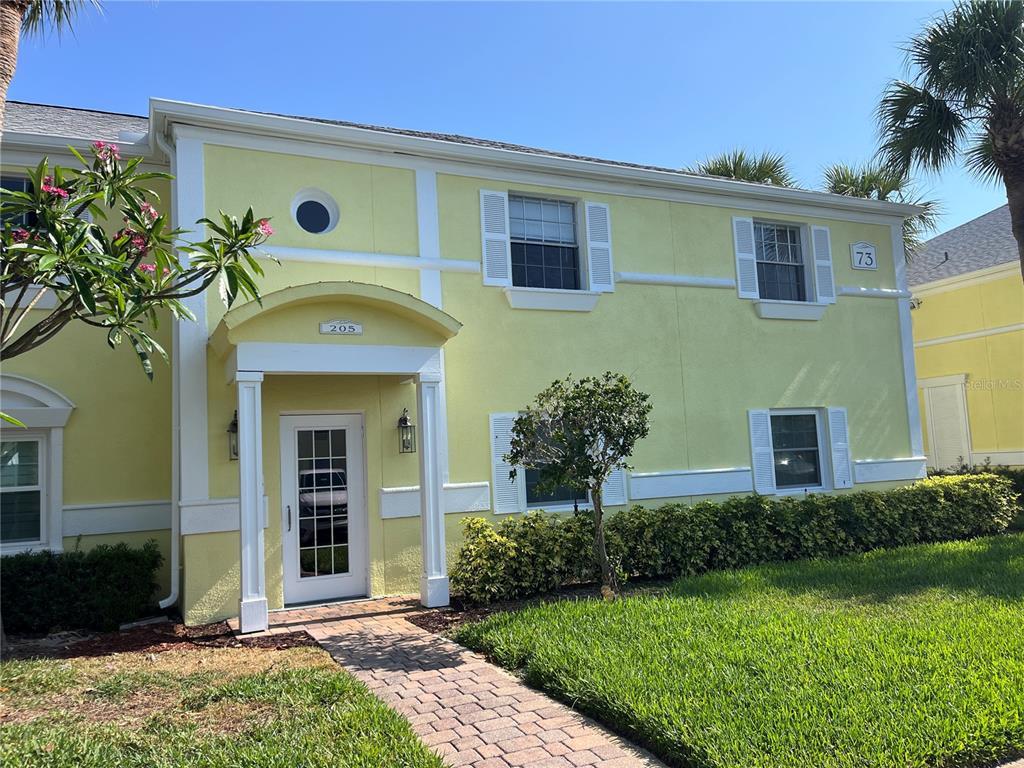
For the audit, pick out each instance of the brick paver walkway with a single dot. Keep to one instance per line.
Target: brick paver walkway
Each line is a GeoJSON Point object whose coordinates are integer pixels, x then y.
{"type": "Point", "coordinates": [469, 711]}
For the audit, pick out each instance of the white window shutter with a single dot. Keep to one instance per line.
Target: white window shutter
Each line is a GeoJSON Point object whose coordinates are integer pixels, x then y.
{"type": "Point", "coordinates": [599, 247]}
{"type": "Point", "coordinates": [761, 451]}
{"type": "Point", "coordinates": [821, 240]}
{"type": "Point", "coordinates": [613, 492]}
{"type": "Point", "coordinates": [497, 253]}
{"type": "Point", "coordinates": [839, 440]}
{"type": "Point", "coordinates": [746, 257]}
{"type": "Point", "coordinates": [509, 495]}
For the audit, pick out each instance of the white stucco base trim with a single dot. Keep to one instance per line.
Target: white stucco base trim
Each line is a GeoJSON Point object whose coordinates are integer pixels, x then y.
{"type": "Point", "coordinates": [887, 470]}
{"type": "Point", "coordinates": [404, 501]}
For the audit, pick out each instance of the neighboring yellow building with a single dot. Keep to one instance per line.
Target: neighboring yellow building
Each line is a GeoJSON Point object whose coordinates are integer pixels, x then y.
{"type": "Point", "coordinates": [452, 278]}
{"type": "Point", "coordinates": [969, 343]}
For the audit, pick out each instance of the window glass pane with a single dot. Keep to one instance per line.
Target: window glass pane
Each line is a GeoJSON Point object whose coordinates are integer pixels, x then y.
{"type": "Point", "coordinates": [797, 469]}
{"type": "Point", "coordinates": [545, 266]}
{"type": "Point", "coordinates": [559, 496]}
{"type": "Point", "coordinates": [19, 463]}
{"type": "Point", "coordinates": [17, 184]}
{"type": "Point", "coordinates": [305, 444]}
{"type": "Point", "coordinates": [313, 216]}
{"type": "Point", "coordinates": [20, 516]}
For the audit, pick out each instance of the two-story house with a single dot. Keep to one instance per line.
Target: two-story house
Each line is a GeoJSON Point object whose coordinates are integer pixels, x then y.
{"type": "Point", "coordinates": [451, 279]}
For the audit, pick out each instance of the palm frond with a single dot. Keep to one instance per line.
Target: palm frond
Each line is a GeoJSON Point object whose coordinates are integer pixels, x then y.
{"type": "Point", "coordinates": [919, 129]}
{"type": "Point", "coordinates": [766, 168]}
{"type": "Point", "coordinates": [879, 182]}
{"type": "Point", "coordinates": [980, 159]}
{"type": "Point", "coordinates": [58, 16]}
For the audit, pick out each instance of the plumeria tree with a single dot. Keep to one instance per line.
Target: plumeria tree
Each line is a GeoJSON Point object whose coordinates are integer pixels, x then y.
{"type": "Point", "coordinates": [576, 433]}
{"type": "Point", "coordinates": [58, 241]}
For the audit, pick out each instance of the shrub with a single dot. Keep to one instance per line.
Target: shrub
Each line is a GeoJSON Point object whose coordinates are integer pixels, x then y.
{"type": "Point", "coordinates": [1014, 474]}
{"type": "Point", "coordinates": [539, 552]}
{"type": "Point", "coordinates": [99, 589]}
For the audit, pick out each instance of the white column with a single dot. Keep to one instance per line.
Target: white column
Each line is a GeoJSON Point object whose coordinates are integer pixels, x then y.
{"type": "Point", "coordinates": [252, 610]}
{"type": "Point", "coordinates": [434, 581]}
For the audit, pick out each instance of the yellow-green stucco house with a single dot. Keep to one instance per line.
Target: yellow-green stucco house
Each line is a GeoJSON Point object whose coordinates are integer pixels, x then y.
{"type": "Point", "coordinates": [969, 343]}
{"type": "Point", "coordinates": [451, 278]}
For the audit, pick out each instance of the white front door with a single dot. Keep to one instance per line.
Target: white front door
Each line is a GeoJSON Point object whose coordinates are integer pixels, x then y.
{"type": "Point", "coordinates": [323, 507]}
{"type": "Point", "coordinates": [948, 434]}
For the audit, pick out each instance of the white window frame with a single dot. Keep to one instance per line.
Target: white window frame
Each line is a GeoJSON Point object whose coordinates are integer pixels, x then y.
{"type": "Point", "coordinates": [807, 256]}
{"type": "Point", "coordinates": [44, 412]}
{"type": "Point", "coordinates": [579, 226]}
{"type": "Point", "coordinates": [41, 438]}
{"type": "Point", "coordinates": [824, 452]}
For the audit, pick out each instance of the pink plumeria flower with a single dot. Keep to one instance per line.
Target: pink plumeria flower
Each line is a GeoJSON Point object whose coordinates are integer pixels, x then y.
{"type": "Point", "coordinates": [151, 268]}
{"type": "Point", "coordinates": [49, 188]}
{"type": "Point", "coordinates": [265, 229]}
{"type": "Point", "coordinates": [150, 211]}
{"type": "Point", "coordinates": [19, 235]}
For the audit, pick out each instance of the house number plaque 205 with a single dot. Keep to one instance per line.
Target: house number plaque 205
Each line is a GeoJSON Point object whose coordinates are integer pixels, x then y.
{"type": "Point", "coordinates": [341, 328]}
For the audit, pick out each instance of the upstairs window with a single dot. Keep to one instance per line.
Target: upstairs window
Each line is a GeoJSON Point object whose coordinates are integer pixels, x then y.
{"type": "Point", "coordinates": [780, 262]}
{"type": "Point", "coordinates": [545, 250]}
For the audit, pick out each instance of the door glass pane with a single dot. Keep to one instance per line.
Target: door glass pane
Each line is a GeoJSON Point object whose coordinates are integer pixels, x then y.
{"type": "Point", "coordinates": [323, 503]}
{"type": "Point", "coordinates": [20, 516]}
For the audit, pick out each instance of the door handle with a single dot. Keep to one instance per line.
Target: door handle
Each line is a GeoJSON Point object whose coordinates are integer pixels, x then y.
{"type": "Point", "coordinates": [289, 517]}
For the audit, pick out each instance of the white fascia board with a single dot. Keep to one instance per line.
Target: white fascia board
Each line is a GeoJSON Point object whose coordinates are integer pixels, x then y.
{"type": "Point", "coordinates": [19, 145]}
{"type": "Point", "coordinates": [163, 111]}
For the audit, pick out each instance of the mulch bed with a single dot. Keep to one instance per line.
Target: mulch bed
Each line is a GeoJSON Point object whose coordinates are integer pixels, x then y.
{"type": "Point", "coordinates": [155, 638]}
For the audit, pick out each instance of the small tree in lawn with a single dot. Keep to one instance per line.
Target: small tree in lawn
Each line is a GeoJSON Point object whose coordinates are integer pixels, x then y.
{"type": "Point", "coordinates": [576, 433]}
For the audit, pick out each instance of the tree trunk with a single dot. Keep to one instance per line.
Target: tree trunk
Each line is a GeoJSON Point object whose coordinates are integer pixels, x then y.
{"type": "Point", "coordinates": [11, 14]}
{"type": "Point", "coordinates": [600, 550]}
{"type": "Point", "coordinates": [1015, 197]}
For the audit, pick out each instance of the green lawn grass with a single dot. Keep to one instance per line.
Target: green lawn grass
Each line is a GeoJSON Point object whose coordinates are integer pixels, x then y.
{"type": "Point", "coordinates": [216, 708]}
{"type": "Point", "coordinates": [907, 657]}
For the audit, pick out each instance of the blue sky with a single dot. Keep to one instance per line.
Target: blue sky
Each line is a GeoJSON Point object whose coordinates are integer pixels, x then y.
{"type": "Point", "coordinates": [664, 83]}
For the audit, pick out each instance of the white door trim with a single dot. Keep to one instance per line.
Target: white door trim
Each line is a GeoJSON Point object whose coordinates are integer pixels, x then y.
{"type": "Point", "coordinates": [357, 582]}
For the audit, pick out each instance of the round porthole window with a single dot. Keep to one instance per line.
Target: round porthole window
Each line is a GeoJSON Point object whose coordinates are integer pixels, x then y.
{"type": "Point", "coordinates": [315, 211]}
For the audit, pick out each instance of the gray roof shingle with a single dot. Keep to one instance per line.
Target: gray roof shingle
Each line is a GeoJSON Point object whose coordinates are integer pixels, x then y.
{"type": "Point", "coordinates": [986, 241]}
{"type": "Point", "coordinates": [72, 122]}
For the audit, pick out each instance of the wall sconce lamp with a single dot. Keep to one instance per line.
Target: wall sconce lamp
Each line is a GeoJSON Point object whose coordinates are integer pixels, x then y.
{"type": "Point", "coordinates": [233, 438]}
{"type": "Point", "coordinates": [406, 433]}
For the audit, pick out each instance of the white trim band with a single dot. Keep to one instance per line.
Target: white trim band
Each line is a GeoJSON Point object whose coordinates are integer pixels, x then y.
{"type": "Point", "coordinates": [116, 517]}
{"type": "Point", "coordinates": [366, 259]}
{"type": "Point", "coordinates": [694, 482]}
{"type": "Point", "coordinates": [999, 458]}
{"type": "Point", "coordinates": [404, 501]}
{"type": "Point", "coordinates": [693, 281]}
{"type": "Point", "coordinates": [873, 293]}
{"type": "Point", "coordinates": [213, 516]}
{"type": "Point", "coordinates": [971, 335]}
{"type": "Point", "coordinates": [887, 470]}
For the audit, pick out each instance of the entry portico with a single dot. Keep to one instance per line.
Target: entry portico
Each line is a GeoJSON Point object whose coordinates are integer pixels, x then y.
{"type": "Point", "coordinates": [294, 333]}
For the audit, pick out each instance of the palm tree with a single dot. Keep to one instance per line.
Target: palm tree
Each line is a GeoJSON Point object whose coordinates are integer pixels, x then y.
{"type": "Point", "coordinates": [965, 99]}
{"type": "Point", "coordinates": [34, 17]}
{"type": "Point", "coordinates": [878, 182]}
{"type": "Point", "coordinates": [766, 168]}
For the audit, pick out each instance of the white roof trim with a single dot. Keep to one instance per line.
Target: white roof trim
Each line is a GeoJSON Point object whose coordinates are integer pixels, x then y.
{"type": "Point", "coordinates": [164, 112]}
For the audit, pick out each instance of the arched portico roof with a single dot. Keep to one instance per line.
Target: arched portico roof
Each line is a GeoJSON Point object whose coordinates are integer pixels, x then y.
{"type": "Point", "coordinates": [402, 305]}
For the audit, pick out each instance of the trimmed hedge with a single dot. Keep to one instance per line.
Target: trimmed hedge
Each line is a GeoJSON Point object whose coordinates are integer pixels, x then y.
{"type": "Point", "coordinates": [99, 589]}
{"type": "Point", "coordinates": [538, 552]}
{"type": "Point", "coordinates": [1014, 474]}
